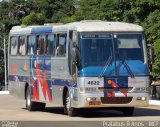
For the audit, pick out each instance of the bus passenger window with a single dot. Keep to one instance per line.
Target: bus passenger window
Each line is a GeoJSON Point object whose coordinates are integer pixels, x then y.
{"type": "Point", "coordinates": [41, 44]}
{"type": "Point", "coordinates": [37, 45]}
{"type": "Point", "coordinates": [14, 45]}
{"type": "Point", "coordinates": [50, 48]}
{"type": "Point", "coordinates": [57, 45]}
{"type": "Point", "coordinates": [61, 45]}
{"type": "Point", "coordinates": [22, 45]}
{"type": "Point", "coordinates": [31, 47]}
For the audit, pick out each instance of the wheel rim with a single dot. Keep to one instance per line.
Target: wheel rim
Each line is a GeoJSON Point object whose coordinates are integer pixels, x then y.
{"type": "Point", "coordinates": [28, 99]}
{"type": "Point", "coordinates": [68, 102]}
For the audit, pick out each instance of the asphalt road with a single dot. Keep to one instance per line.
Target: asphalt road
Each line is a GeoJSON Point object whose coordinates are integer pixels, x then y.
{"type": "Point", "coordinates": [13, 109]}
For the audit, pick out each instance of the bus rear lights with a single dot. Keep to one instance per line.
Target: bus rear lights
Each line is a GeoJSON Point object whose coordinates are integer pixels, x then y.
{"type": "Point", "coordinates": [141, 98]}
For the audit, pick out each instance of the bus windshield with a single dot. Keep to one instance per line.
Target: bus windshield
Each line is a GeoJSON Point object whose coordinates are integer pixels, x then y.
{"type": "Point", "coordinates": [130, 47]}
{"type": "Point", "coordinates": [95, 49]}
{"type": "Point", "coordinates": [101, 55]}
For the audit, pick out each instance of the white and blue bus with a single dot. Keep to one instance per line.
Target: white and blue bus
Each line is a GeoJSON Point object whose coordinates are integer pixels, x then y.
{"type": "Point", "coordinates": [86, 64]}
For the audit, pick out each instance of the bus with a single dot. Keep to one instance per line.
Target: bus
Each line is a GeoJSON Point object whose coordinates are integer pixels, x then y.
{"type": "Point", "coordinates": [80, 65]}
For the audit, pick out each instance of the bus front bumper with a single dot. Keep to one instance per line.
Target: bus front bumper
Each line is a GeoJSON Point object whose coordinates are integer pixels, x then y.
{"type": "Point", "coordinates": [99, 101]}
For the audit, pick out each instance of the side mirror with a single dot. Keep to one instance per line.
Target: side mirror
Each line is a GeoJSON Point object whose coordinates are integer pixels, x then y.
{"type": "Point", "coordinates": [152, 57]}
{"type": "Point", "coordinates": [74, 45]}
{"type": "Point", "coordinates": [151, 53]}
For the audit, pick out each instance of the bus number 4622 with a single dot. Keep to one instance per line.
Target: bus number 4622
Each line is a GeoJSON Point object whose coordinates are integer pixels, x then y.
{"type": "Point", "coordinates": [93, 82]}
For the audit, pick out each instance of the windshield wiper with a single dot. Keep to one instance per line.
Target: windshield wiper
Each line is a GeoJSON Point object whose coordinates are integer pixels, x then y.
{"type": "Point", "coordinates": [106, 65]}
{"type": "Point", "coordinates": [128, 68]}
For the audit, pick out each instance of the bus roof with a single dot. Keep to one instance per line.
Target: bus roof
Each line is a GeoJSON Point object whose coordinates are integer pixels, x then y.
{"type": "Point", "coordinates": [105, 26]}
{"type": "Point", "coordinates": [82, 26]}
{"type": "Point", "coordinates": [23, 30]}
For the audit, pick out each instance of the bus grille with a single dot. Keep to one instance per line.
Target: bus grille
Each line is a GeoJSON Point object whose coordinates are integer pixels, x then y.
{"type": "Point", "coordinates": [121, 89]}
{"type": "Point", "coordinates": [116, 100]}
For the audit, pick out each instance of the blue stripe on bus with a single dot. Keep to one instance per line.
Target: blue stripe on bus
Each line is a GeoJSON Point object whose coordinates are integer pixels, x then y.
{"type": "Point", "coordinates": [18, 78]}
{"type": "Point", "coordinates": [39, 30]}
{"type": "Point", "coordinates": [136, 66]}
{"type": "Point", "coordinates": [64, 82]}
{"type": "Point", "coordinates": [55, 82]}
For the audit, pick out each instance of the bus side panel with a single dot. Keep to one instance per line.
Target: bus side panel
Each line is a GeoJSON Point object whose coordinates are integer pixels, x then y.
{"type": "Point", "coordinates": [60, 79]}
{"type": "Point", "coordinates": [41, 78]}
{"type": "Point", "coordinates": [18, 75]}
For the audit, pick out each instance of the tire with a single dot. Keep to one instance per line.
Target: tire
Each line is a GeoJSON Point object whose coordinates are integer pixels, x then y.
{"type": "Point", "coordinates": [70, 111]}
{"type": "Point", "coordinates": [128, 111]}
{"type": "Point", "coordinates": [41, 106]}
{"type": "Point", "coordinates": [31, 105]}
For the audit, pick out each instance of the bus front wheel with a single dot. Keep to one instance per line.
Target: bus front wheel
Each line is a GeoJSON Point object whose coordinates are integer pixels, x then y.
{"type": "Point", "coordinates": [67, 106]}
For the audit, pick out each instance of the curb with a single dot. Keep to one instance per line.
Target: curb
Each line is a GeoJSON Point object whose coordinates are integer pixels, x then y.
{"type": "Point", "coordinates": [4, 92]}
{"type": "Point", "coordinates": [154, 102]}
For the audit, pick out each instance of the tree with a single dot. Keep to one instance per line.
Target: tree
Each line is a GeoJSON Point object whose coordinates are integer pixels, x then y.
{"type": "Point", "coordinates": [34, 19]}
{"type": "Point", "coordinates": [136, 11]}
{"type": "Point", "coordinates": [110, 10]}
{"type": "Point", "coordinates": [88, 10]}
{"type": "Point", "coordinates": [152, 26]}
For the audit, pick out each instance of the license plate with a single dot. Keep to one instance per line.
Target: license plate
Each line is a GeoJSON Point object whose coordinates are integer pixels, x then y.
{"type": "Point", "coordinates": [94, 103]}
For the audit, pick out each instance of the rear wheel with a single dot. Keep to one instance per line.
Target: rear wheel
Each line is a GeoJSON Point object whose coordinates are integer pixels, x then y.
{"type": "Point", "coordinates": [31, 105]}
{"type": "Point", "coordinates": [67, 106]}
{"type": "Point", "coordinates": [40, 106]}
